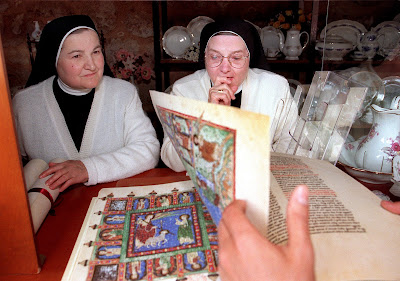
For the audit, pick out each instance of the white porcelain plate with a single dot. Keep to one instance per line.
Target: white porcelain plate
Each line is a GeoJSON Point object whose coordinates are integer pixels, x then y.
{"type": "Point", "coordinates": [389, 36]}
{"type": "Point", "coordinates": [196, 25]}
{"type": "Point", "coordinates": [392, 89]}
{"type": "Point", "coordinates": [347, 29]}
{"type": "Point", "coordinates": [367, 176]}
{"type": "Point", "coordinates": [176, 41]}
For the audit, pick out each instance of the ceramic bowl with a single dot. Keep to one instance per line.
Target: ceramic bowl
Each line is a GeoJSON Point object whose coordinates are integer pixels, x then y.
{"type": "Point", "coordinates": [334, 47]}
{"type": "Point", "coordinates": [366, 176]}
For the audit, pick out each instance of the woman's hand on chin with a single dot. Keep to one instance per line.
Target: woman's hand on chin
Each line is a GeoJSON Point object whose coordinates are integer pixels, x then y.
{"type": "Point", "coordinates": [222, 92]}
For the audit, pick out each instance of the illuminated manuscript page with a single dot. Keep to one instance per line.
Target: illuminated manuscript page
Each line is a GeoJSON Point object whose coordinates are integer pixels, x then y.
{"type": "Point", "coordinates": [250, 148]}
{"type": "Point", "coordinates": [353, 237]}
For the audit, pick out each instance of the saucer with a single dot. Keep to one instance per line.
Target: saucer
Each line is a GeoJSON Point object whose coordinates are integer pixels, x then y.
{"type": "Point", "coordinates": [366, 176]}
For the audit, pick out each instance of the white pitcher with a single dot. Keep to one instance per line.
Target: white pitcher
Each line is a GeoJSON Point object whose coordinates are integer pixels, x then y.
{"type": "Point", "coordinates": [292, 47]}
{"type": "Point", "coordinates": [382, 144]}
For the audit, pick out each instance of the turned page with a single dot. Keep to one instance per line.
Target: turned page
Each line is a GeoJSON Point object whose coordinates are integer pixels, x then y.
{"type": "Point", "coordinates": [353, 237]}
{"type": "Point", "coordinates": [225, 151]}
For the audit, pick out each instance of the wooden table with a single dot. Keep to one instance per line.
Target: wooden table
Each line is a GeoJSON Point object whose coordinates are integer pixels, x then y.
{"type": "Point", "coordinates": [56, 237]}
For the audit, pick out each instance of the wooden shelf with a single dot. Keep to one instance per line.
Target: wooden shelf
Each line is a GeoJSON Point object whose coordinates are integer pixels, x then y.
{"type": "Point", "coordinates": [296, 69]}
{"type": "Point", "coordinates": [302, 70]}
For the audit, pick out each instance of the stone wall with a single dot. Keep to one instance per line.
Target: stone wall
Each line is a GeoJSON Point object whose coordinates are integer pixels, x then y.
{"type": "Point", "coordinates": [128, 25]}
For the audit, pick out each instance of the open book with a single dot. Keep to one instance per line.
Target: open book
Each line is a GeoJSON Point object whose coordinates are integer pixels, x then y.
{"type": "Point", "coordinates": [167, 232]}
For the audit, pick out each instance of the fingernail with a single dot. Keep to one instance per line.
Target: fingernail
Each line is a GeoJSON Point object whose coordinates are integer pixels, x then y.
{"type": "Point", "coordinates": [302, 195]}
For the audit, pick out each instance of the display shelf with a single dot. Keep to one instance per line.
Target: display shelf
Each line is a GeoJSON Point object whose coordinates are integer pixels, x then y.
{"type": "Point", "coordinates": [176, 13]}
{"type": "Point", "coordinates": [164, 64]}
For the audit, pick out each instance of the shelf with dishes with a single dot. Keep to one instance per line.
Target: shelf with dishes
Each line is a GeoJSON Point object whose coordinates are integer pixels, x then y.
{"type": "Point", "coordinates": [178, 36]}
{"type": "Point", "coordinates": [338, 39]}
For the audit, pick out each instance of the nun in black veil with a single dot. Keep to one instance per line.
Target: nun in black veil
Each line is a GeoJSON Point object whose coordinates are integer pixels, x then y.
{"type": "Point", "coordinates": [50, 40]}
{"type": "Point", "coordinates": [234, 72]}
{"type": "Point", "coordinates": [73, 109]}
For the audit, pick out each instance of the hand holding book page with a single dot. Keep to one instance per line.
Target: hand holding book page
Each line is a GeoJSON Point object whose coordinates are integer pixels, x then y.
{"type": "Point", "coordinates": [225, 151]}
{"type": "Point", "coordinates": [241, 247]}
{"type": "Point", "coordinates": [41, 198]}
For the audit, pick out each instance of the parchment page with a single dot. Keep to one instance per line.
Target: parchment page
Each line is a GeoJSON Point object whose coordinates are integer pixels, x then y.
{"type": "Point", "coordinates": [108, 230]}
{"type": "Point", "coordinates": [353, 237]}
{"type": "Point", "coordinates": [225, 151]}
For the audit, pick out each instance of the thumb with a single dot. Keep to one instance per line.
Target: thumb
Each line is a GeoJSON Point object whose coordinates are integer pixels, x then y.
{"type": "Point", "coordinates": [393, 207]}
{"type": "Point", "coordinates": [297, 218]}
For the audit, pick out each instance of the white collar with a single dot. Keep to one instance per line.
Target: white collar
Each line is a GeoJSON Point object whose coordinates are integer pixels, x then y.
{"type": "Point", "coordinates": [70, 90]}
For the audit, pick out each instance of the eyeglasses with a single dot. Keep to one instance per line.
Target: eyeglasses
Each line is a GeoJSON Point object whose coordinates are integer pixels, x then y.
{"type": "Point", "coordinates": [235, 60]}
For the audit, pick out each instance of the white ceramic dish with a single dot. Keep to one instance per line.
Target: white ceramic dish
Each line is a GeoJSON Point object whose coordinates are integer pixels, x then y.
{"type": "Point", "coordinates": [196, 25]}
{"type": "Point", "coordinates": [390, 36]}
{"type": "Point", "coordinates": [176, 41]}
{"type": "Point", "coordinates": [270, 38]}
{"type": "Point", "coordinates": [358, 56]}
{"type": "Point", "coordinates": [347, 29]}
{"type": "Point", "coordinates": [333, 47]}
{"type": "Point", "coordinates": [367, 176]}
{"type": "Point", "coordinates": [392, 89]}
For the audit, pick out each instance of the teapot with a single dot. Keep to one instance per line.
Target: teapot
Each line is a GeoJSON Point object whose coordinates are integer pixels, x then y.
{"type": "Point", "coordinates": [270, 41]}
{"type": "Point", "coordinates": [292, 47]}
{"type": "Point", "coordinates": [377, 150]}
{"type": "Point", "coordinates": [368, 43]}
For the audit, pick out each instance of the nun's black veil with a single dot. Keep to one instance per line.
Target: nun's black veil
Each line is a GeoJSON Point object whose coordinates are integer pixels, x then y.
{"type": "Point", "coordinates": [245, 30]}
{"type": "Point", "coordinates": [50, 40]}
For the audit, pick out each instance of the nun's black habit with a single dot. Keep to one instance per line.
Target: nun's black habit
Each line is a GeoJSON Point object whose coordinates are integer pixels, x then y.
{"type": "Point", "coordinates": [74, 108]}
{"type": "Point", "coordinates": [50, 40]}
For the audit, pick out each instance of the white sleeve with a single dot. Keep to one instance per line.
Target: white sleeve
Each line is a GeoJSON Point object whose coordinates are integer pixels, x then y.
{"type": "Point", "coordinates": [140, 152]}
{"type": "Point", "coordinates": [168, 153]}
{"type": "Point", "coordinates": [170, 157]}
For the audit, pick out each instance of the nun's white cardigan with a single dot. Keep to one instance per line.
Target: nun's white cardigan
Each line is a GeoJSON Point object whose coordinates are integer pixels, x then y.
{"type": "Point", "coordinates": [262, 91]}
{"type": "Point", "coordinates": [119, 140]}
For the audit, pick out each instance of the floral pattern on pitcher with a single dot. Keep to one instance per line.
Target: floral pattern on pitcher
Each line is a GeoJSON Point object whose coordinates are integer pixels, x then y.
{"type": "Point", "coordinates": [372, 133]}
{"type": "Point", "coordinates": [394, 148]}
